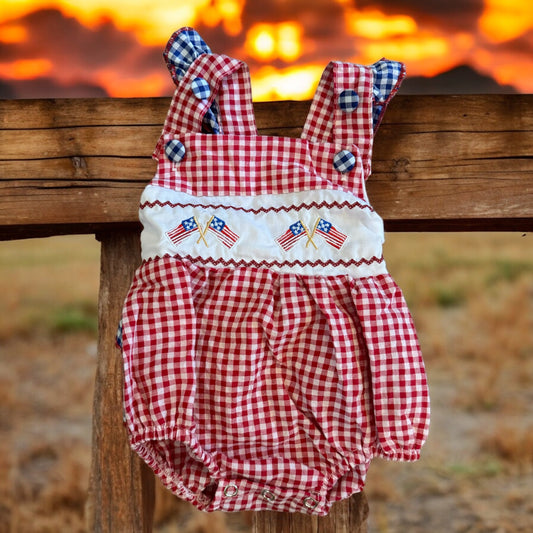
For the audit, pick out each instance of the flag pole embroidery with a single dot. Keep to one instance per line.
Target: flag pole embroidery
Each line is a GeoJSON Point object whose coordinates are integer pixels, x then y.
{"type": "Point", "coordinates": [204, 231]}
{"type": "Point", "coordinates": [215, 224]}
{"type": "Point", "coordinates": [296, 231]}
{"type": "Point", "coordinates": [310, 237]}
{"type": "Point", "coordinates": [333, 236]}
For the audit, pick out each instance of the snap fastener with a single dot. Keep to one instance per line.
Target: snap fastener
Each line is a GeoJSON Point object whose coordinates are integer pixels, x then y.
{"type": "Point", "coordinates": [268, 495]}
{"type": "Point", "coordinates": [231, 490]}
{"type": "Point", "coordinates": [175, 150]}
{"type": "Point", "coordinates": [200, 88]}
{"type": "Point", "coordinates": [348, 101]}
{"type": "Point", "coordinates": [344, 161]}
{"type": "Point", "coordinates": [310, 503]}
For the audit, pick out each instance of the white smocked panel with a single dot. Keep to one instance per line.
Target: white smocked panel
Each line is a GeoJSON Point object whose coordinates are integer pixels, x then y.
{"type": "Point", "coordinates": [326, 232]}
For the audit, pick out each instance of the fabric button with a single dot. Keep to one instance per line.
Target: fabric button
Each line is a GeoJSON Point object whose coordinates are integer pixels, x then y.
{"type": "Point", "coordinates": [175, 150]}
{"type": "Point", "coordinates": [348, 101]}
{"type": "Point", "coordinates": [231, 490]}
{"type": "Point", "coordinates": [344, 161]}
{"type": "Point", "coordinates": [200, 88]}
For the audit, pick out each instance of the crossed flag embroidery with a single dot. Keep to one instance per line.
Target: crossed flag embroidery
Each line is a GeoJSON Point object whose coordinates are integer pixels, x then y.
{"type": "Point", "coordinates": [228, 237]}
{"type": "Point", "coordinates": [216, 225]}
{"type": "Point", "coordinates": [325, 229]}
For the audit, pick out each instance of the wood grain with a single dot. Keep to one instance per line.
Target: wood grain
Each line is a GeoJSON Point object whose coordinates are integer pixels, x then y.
{"type": "Point", "coordinates": [439, 163]}
{"type": "Point", "coordinates": [121, 486]}
{"type": "Point", "coordinates": [347, 516]}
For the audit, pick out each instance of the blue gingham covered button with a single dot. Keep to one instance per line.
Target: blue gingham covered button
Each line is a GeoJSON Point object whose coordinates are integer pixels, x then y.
{"type": "Point", "coordinates": [200, 88]}
{"type": "Point", "coordinates": [175, 150]}
{"type": "Point", "coordinates": [348, 101]}
{"type": "Point", "coordinates": [344, 161]}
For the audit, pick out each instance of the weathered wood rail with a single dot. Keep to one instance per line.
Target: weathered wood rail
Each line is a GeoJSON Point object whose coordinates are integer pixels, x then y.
{"type": "Point", "coordinates": [441, 163]}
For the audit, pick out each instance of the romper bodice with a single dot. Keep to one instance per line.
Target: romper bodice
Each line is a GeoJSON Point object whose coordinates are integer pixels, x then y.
{"type": "Point", "coordinates": [292, 204]}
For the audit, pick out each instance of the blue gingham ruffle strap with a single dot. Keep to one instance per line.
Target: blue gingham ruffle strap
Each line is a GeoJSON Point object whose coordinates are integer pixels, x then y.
{"type": "Point", "coordinates": [388, 76]}
{"type": "Point", "coordinates": [183, 48]}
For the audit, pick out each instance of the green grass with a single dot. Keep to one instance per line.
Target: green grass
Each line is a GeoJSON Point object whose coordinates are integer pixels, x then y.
{"type": "Point", "coordinates": [75, 317]}
{"type": "Point", "coordinates": [508, 270]}
{"type": "Point", "coordinates": [49, 285]}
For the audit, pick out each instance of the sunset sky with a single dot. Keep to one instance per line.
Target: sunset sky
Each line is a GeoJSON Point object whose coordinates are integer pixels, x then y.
{"type": "Point", "coordinates": [68, 48]}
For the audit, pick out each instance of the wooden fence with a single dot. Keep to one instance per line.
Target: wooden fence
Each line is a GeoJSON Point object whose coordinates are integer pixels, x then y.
{"type": "Point", "coordinates": [440, 163]}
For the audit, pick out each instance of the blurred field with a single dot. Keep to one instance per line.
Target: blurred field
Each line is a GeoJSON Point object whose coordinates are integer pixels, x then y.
{"type": "Point", "coordinates": [472, 299]}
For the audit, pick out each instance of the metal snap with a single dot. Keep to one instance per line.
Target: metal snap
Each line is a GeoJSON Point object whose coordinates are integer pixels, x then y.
{"type": "Point", "coordinates": [268, 495]}
{"type": "Point", "coordinates": [231, 490]}
{"type": "Point", "coordinates": [310, 503]}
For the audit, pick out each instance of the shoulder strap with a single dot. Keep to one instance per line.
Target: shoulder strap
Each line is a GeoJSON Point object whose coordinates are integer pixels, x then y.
{"type": "Point", "coordinates": [349, 104]}
{"type": "Point", "coordinates": [388, 76]}
{"type": "Point", "coordinates": [212, 82]}
{"type": "Point", "coordinates": [183, 47]}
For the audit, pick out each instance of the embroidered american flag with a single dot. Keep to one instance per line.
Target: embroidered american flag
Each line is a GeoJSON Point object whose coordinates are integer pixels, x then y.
{"type": "Point", "coordinates": [333, 236]}
{"type": "Point", "coordinates": [183, 230]}
{"type": "Point", "coordinates": [223, 232]}
{"type": "Point", "coordinates": [295, 232]}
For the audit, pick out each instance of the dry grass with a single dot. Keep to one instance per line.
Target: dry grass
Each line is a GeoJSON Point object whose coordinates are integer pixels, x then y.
{"type": "Point", "coordinates": [512, 444]}
{"type": "Point", "coordinates": [472, 299]}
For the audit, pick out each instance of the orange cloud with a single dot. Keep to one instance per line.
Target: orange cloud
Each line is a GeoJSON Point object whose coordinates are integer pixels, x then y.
{"type": "Point", "coordinates": [13, 34]}
{"type": "Point", "coordinates": [291, 83]}
{"type": "Point", "coordinates": [26, 69]}
{"type": "Point", "coordinates": [120, 86]}
{"type": "Point", "coordinates": [151, 21]}
{"type": "Point", "coordinates": [503, 20]}
{"type": "Point", "coordinates": [117, 44]}
{"type": "Point", "coordinates": [225, 12]}
{"type": "Point", "coordinates": [267, 42]}
{"type": "Point", "coordinates": [373, 24]}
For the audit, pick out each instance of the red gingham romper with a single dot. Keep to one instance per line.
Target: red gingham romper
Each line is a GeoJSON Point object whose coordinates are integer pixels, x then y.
{"type": "Point", "coordinates": [268, 354]}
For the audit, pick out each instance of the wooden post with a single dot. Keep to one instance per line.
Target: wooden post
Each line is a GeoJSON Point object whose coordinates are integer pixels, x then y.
{"type": "Point", "coordinates": [348, 516]}
{"type": "Point", "coordinates": [121, 487]}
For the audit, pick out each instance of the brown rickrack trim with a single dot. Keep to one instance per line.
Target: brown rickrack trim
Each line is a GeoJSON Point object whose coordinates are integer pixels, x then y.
{"type": "Point", "coordinates": [349, 205]}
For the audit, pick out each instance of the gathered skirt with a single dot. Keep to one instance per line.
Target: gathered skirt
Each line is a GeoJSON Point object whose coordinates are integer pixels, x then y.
{"type": "Point", "coordinates": [269, 381]}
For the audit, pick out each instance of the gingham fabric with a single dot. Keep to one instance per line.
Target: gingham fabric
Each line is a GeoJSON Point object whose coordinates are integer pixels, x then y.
{"type": "Point", "coordinates": [268, 354]}
{"type": "Point", "coordinates": [183, 47]}
{"type": "Point", "coordinates": [387, 78]}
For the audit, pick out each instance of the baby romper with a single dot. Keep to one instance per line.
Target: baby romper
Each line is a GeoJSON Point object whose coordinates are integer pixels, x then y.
{"type": "Point", "coordinates": [268, 354]}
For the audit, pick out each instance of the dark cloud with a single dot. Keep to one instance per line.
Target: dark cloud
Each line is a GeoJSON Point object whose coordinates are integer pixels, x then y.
{"type": "Point", "coordinates": [447, 14]}
{"type": "Point", "coordinates": [49, 88]}
{"type": "Point", "coordinates": [51, 34]}
{"type": "Point", "coordinates": [77, 51]}
{"type": "Point", "coordinates": [459, 80]}
{"type": "Point", "coordinates": [220, 42]}
{"type": "Point", "coordinates": [7, 91]}
{"type": "Point", "coordinates": [317, 14]}
{"type": "Point", "coordinates": [520, 47]}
